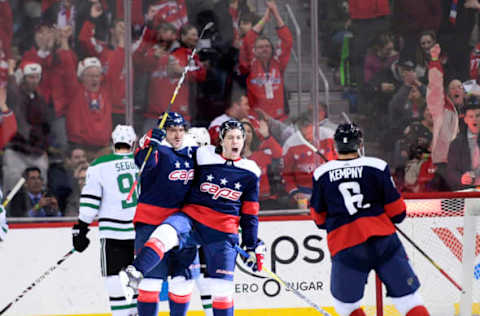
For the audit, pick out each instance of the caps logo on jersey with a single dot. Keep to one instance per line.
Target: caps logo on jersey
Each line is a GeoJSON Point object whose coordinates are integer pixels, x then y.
{"type": "Point", "coordinates": [216, 191]}
{"type": "Point", "coordinates": [181, 175]}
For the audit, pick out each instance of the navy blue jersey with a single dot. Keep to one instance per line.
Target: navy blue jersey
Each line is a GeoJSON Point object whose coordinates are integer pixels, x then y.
{"type": "Point", "coordinates": [225, 194]}
{"type": "Point", "coordinates": [355, 200]}
{"type": "Point", "coordinates": [165, 181]}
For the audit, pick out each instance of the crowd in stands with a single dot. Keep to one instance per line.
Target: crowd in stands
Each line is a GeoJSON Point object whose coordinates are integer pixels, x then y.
{"type": "Point", "coordinates": [412, 87]}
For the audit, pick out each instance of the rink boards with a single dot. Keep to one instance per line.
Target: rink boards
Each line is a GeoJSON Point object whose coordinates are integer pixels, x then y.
{"type": "Point", "coordinates": [297, 252]}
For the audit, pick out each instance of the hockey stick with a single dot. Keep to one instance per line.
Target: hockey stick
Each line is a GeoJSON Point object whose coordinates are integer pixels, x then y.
{"type": "Point", "coordinates": [38, 280]}
{"type": "Point", "coordinates": [309, 145]}
{"type": "Point", "coordinates": [449, 278]}
{"type": "Point", "coordinates": [165, 114]}
{"type": "Point", "coordinates": [275, 276]}
{"type": "Point", "coordinates": [12, 193]}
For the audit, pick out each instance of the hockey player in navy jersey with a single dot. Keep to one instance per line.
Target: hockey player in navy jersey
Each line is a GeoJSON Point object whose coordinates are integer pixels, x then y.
{"type": "Point", "coordinates": [355, 200]}
{"type": "Point", "coordinates": [108, 180]}
{"type": "Point", "coordinates": [165, 182]}
{"type": "Point", "coordinates": [224, 196]}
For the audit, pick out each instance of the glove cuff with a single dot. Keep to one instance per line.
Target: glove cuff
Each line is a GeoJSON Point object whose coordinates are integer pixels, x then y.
{"type": "Point", "coordinates": [82, 226]}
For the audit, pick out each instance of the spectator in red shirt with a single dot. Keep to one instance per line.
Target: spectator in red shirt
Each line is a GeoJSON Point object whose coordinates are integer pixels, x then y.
{"type": "Point", "coordinates": [8, 122]}
{"type": "Point", "coordinates": [265, 69]}
{"type": "Point", "coordinates": [300, 160]}
{"type": "Point", "coordinates": [263, 153]}
{"type": "Point", "coordinates": [89, 114]}
{"type": "Point", "coordinates": [112, 58]}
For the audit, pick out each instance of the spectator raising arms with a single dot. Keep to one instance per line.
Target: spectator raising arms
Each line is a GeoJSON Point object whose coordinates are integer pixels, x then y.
{"type": "Point", "coordinates": [265, 68]}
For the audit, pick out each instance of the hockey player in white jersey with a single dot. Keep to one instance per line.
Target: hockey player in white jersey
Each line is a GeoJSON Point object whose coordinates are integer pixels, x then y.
{"type": "Point", "coordinates": [108, 183]}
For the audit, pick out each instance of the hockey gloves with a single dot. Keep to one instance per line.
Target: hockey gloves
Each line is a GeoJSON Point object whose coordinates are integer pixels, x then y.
{"type": "Point", "coordinates": [79, 236]}
{"type": "Point", "coordinates": [256, 256]}
{"type": "Point", "coordinates": [153, 138]}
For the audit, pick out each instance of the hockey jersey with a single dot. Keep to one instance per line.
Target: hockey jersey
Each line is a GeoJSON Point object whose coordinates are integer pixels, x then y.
{"type": "Point", "coordinates": [225, 194]}
{"type": "Point", "coordinates": [355, 200]}
{"type": "Point", "coordinates": [300, 160]}
{"type": "Point", "coordinates": [165, 181]}
{"type": "Point", "coordinates": [108, 182]}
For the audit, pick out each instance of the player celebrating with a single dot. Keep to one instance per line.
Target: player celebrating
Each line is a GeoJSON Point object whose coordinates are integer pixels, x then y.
{"type": "Point", "coordinates": [108, 181]}
{"type": "Point", "coordinates": [165, 182]}
{"type": "Point", "coordinates": [355, 200]}
{"type": "Point", "coordinates": [224, 195]}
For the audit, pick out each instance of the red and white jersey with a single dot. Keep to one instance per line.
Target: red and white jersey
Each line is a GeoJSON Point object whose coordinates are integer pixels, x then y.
{"type": "Point", "coordinates": [300, 160]}
{"type": "Point", "coordinates": [8, 127]}
{"type": "Point", "coordinates": [171, 11]}
{"type": "Point", "coordinates": [265, 86]}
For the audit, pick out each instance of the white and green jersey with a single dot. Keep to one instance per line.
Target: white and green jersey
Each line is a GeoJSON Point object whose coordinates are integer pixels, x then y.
{"type": "Point", "coordinates": [108, 182]}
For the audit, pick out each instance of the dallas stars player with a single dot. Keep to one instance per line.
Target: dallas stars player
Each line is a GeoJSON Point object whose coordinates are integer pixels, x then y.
{"type": "Point", "coordinates": [108, 182]}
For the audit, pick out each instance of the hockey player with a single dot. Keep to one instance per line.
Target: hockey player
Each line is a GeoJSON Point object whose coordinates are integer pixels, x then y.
{"type": "Point", "coordinates": [165, 182]}
{"type": "Point", "coordinates": [355, 200]}
{"type": "Point", "coordinates": [108, 181]}
{"type": "Point", "coordinates": [224, 196]}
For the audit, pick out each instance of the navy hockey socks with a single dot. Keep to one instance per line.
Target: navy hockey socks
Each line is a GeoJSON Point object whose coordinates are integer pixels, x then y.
{"type": "Point", "coordinates": [178, 304]}
{"type": "Point", "coordinates": [149, 256]}
{"type": "Point", "coordinates": [147, 303]}
{"type": "Point", "coordinates": [222, 306]}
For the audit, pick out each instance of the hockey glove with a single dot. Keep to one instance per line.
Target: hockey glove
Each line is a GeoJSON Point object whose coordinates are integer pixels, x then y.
{"type": "Point", "coordinates": [79, 236]}
{"type": "Point", "coordinates": [153, 138]}
{"type": "Point", "coordinates": [256, 256]}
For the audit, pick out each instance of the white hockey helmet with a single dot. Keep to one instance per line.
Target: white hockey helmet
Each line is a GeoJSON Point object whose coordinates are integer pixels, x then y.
{"type": "Point", "coordinates": [124, 134]}
{"type": "Point", "coordinates": [200, 135]}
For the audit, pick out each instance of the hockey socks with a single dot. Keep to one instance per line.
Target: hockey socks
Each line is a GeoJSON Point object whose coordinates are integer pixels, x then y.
{"type": "Point", "coordinates": [207, 304]}
{"type": "Point", "coordinates": [178, 304]}
{"type": "Point", "coordinates": [149, 256]}
{"type": "Point", "coordinates": [222, 306]}
{"type": "Point", "coordinates": [147, 303]}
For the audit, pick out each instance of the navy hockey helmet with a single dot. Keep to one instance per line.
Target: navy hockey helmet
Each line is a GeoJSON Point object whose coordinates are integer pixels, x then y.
{"type": "Point", "coordinates": [229, 125]}
{"type": "Point", "coordinates": [173, 119]}
{"type": "Point", "coordinates": [348, 138]}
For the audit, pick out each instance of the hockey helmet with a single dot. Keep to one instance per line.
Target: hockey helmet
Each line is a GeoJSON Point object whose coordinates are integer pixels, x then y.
{"type": "Point", "coordinates": [229, 125]}
{"type": "Point", "coordinates": [173, 119]}
{"type": "Point", "coordinates": [124, 134]}
{"type": "Point", "coordinates": [348, 138]}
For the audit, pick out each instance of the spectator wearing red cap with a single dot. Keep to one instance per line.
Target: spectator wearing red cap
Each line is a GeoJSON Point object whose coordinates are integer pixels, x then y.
{"type": "Point", "coordinates": [29, 145]}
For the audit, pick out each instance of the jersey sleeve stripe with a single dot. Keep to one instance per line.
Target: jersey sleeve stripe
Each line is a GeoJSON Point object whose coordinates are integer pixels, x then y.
{"type": "Point", "coordinates": [116, 229]}
{"type": "Point", "coordinates": [359, 231]}
{"type": "Point", "coordinates": [318, 218]}
{"type": "Point", "coordinates": [395, 208]}
{"type": "Point", "coordinates": [90, 196]}
{"type": "Point", "coordinates": [250, 208]}
{"type": "Point", "coordinates": [89, 205]}
{"type": "Point", "coordinates": [113, 220]}
{"type": "Point", "coordinates": [217, 220]}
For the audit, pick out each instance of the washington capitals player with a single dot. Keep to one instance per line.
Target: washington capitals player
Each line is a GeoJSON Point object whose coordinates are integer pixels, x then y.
{"type": "Point", "coordinates": [165, 181]}
{"type": "Point", "coordinates": [224, 195]}
{"type": "Point", "coordinates": [108, 181]}
{"type": "Point", "coordinates": [355, 200]}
